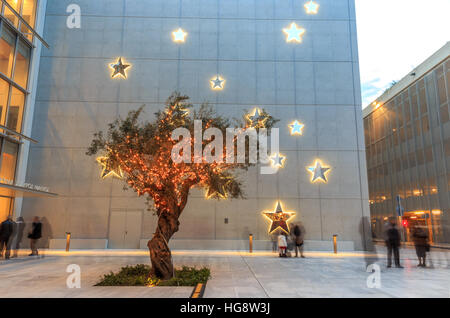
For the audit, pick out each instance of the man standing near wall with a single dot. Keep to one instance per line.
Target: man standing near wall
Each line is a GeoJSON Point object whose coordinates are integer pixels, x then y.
{"type": "Point", "coordinates": [6, 230]}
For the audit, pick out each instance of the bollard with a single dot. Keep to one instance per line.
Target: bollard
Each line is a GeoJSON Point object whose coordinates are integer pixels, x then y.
{"type": "Point", "coordinates": [335, 243]}
{"type": "Point", "coordinates": [67, 241]}
{"type": "Point", "coordinates": [250, 241]}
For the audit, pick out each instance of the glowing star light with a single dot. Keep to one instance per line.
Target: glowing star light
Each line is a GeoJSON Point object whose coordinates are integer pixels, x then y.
{"type": "Point", "coordinates": [296, 128]}
{"type": "Point", "coordinates": [217, 83]}
{"type": "Point", "coordinates": [312, 7]}
{"type": "Point", "coordinates": [109, 170]}
{"type": "Point", "coordinates": [279, 219]}
{"type": "Point", "coordinates": [294, 33]}
{"type": "Point", "coordinates": [119, 68]}
{"type": "Point", "coordinates": [318, 172]}
{"type": "Point", "coordinates": [278, 160]}
{"type": "Point", "coordinates": [179, 35]}
{"type": "Point", "coordinates": [256, 119]}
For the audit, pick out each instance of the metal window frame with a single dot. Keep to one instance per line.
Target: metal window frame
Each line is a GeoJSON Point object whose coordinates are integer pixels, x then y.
{"type": "Point", "coordinates": [22, 20]}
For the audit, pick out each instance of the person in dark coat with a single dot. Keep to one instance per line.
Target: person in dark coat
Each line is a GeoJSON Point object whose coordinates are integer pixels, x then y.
{"type": "Point", "coordinates": [420, 238]}
{"type": "Point", "coordinates": [18, 234]}
{"type": "Point", "coordinates": [5, 234]}
{"type": "Point", "coordinates": [299, 234]}
{"type": "Point", "coordinates": [35, 235]}
{"type": "Point", "coordinates": [393, 243]}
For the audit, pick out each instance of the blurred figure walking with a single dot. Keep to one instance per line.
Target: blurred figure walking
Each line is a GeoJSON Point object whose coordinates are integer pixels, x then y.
{"type": "Point", "coordinates": [282, 244]}
{"type": "Point", "coordinates": [18, 234]}
{"type": "Point", "coordinates": [420, 237]}
{"type": "Point", "coordinates": [299, 233]}
{"type": "Point", "coordinates": [6, 230]}
{"type": "Point", "coordinates": [35, 235]}
{"type": "Point", "coordinates": [393, 243]}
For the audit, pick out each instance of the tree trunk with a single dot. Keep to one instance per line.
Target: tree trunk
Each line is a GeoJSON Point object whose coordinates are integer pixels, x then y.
{"type": "Point", "coordinates": [160, 255]}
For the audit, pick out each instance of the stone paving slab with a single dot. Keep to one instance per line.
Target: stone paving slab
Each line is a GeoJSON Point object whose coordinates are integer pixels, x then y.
{"type": "Point", "coordinates": [234, 275]}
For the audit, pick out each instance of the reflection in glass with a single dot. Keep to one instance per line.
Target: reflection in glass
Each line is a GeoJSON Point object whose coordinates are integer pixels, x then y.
{"type": "Point", "coordinates": [15, 4]}
{"type": "Point", "coordinates": [22, 64]}
{"type": "Point", "coordinates": [4, 93]}
{"type": "Point", "coordinates": [7, 44]}
{"type": "Point", "coordinates": [9, 159]}
{"type": "Point", "coordinates": [15, 110]}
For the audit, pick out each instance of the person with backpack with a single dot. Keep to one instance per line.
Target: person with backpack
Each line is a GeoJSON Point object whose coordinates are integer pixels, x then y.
{"type": "Point", "coordinates": [299, 233]}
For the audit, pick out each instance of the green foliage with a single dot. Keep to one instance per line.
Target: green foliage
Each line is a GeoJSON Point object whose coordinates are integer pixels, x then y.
{"type": "Point", "coordinates": [139, 275]}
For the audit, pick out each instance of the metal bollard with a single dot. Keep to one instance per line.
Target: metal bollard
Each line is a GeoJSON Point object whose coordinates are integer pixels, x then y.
{"type": "Point", "coordinates": [67, 241]}
{"type": "Point", "coordinates": [335, 243]}
{"type": "Point", "coordinates": [250, 241]}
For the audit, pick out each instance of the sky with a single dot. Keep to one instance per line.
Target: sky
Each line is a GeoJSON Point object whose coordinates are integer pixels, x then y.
{"type": "Point", "coordinates": [395, 36]}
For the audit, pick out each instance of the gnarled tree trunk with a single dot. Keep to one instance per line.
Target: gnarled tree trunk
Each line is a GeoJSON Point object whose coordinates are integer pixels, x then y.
{"type": "Point", "coordinates": [160, 255]}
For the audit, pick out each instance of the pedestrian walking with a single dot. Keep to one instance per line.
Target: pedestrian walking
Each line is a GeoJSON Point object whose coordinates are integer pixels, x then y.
{"type": "Point", "coordinates": [35, 235]}
{"type": "Point", "coordinates": [393, 243]}
{"type": "Point", "coordinates": [282, 245]}
{"type": "Point", "coordinates": [420, 238]}
{"type": "Point", "coordinates": [18, 235]}
{"type": "Point", "coordinates": [6, 230]}
{"type": "Point", "coordinates": [299, 233]}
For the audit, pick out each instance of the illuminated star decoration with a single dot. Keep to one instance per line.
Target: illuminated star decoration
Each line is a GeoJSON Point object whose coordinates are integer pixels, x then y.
{"type": "Point", "coordinates": [278, 160]}
{"type": "Point", "coordinates": [217, 83]}
{"type": "Point", "coordinates": [312, 7]}
{"type": "Point", "coordinates": [256, 119]}
{"type": "Point", "coordinates": [119, 68]}
{"type": "Point", "coordinates": [294, 33]}
{"type": "Point", "coordinates": [296, 128]}
{"type": "Point", "coordinates": [279, 219]}
{"type": "Point", "coordinates": [318, 172]}
{"type": "Point", "coordinates": [179, 35]}
{"type": "Point", "coordinates": [220, 193]}
{"type": "Point", "coordinates": [109, 170]}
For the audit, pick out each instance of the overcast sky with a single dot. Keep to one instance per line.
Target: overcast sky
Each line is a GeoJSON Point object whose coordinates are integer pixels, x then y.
{"type": "Point", "coordinates": [395, 36]}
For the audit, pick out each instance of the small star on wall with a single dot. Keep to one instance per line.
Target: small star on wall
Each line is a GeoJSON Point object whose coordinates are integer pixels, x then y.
{"type": "Point", "coordinates": [312, 7]}
{"type": "Point", "coordinates": [318, 172]}
{"type": "Point", "coordinates": [296, 128]}
{"type": "Point", "coordinates": [217, 83]}
{"type": "Point", "coordinates": [179, 35]}
{"type": "Point", "coordinates": [119, 68]}
{"type": "Point", "coordinates": [294, 33]}
{"type": "Point", "coordinates": [278, 160]}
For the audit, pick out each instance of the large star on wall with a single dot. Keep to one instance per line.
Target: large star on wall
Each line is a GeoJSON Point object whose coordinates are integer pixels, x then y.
{"type": "Point", "coordinates": [296, 128]}
{"type": "Point", "coordinates": [294, 33]}
{"type": "Point", "coordinates": [279, 219]}
{"type": "Point", "coordinates": [108, 169]}
{"type": "Point", "coordinates": [119, 68]}
{"type": "Point", "coordinates": [312, 7]}
{"type": "Point", "coordinates": [318, 172]}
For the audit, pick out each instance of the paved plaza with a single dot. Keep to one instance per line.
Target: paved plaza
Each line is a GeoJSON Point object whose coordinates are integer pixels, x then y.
{"type": "Point", "coordinates": [234, 274]}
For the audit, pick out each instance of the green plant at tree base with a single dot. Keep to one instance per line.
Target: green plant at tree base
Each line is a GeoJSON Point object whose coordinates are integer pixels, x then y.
{"type": "Point", "coordinates": [139, 275]}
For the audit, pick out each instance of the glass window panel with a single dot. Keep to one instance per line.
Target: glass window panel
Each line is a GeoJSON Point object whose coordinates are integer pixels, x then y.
{"type": "Point", "coordinates": [402, 135]}
{"type": "Point", "coordinates": [9, 159]}
{"type": "Point", "coordinates": [409, 131]}
{"type": "Point", "coordinates": [22, 64]}
{"type": "Point", "coordinates": [15, 110]}
{"type": "Point", "coordinates": [423, 100]}
{"type": "Point", "coordinates": [447, 147]}
{"type": "Point", "coordinates": [444, 114]}
{"type": "Point", "coordinates": [418, 130]}
{"type": "Point", "coordinates": [425, 124]}
{"type": "Point", "coordinates": [7, 44]}
{"type": "Point", "coordinates": [29, 11]}
{"type": "Point", "coordinates": [414, 103]}
{"type": "Point", "coordinates": [442, 90]}
{"type": "Point", "coordinates": [15, 4]}
{"type": "Point", "coordinates": [4, 93]}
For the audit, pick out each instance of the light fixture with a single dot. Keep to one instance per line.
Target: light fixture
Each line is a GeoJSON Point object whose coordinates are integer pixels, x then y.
{"type": "Point", "coordinates": [312, 7]}
{"type": "Point", "coordinates": [296, 128]}
{"type": "Point", "coordinates": [119, 68]}
{"type": "Point", "coordinates": [318, 172]}
{"type": "Point", "coordinates": [279, 219]}
{"type": "Point", "coordinates": [217, 83]}
{"type": "Point", "coordinates": [294, 33]}
{"type": "Point", "coordinates": [179, 36]}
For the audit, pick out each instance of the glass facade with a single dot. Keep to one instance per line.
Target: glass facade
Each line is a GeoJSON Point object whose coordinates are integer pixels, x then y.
{"type": "Point", "coordinates": [15, 55]}
{"type": "Point", "coordinates": [408, 156]}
